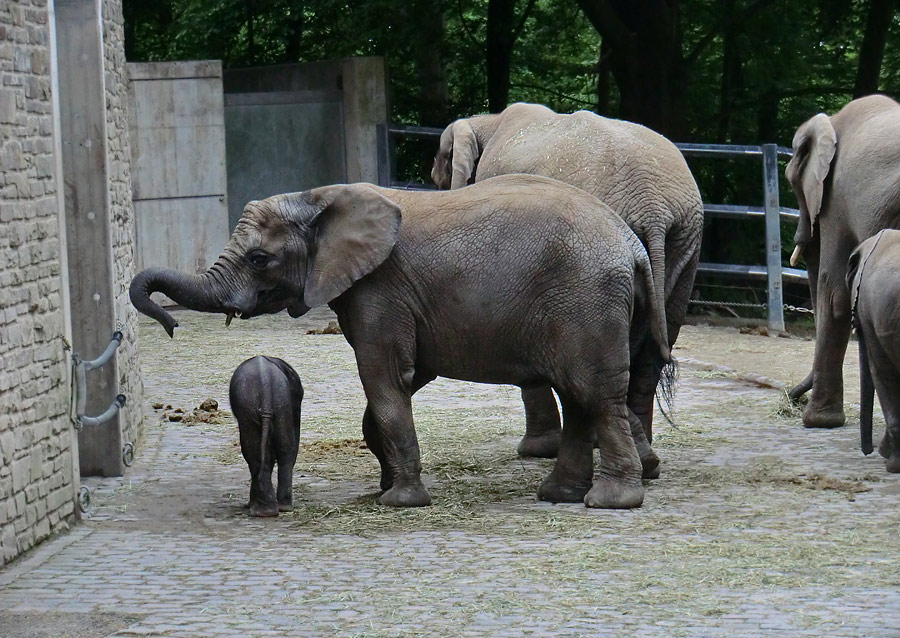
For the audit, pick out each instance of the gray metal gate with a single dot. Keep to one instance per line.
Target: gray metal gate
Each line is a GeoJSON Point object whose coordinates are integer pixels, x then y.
{"type": "Point", "coordinates": [771, 210]}
{"type": "Point", "coordinates": [178, 163]}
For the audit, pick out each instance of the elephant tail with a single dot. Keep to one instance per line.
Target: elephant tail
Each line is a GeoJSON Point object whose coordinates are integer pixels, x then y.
{"type": "Point", "coordinates": [265, 424]}
{"type": "Point", "coordinates": [866, 395]}
{"type": "Point", "coordinates": [655, 287]}
{"type": "Point", "coordinates": [656, 291]}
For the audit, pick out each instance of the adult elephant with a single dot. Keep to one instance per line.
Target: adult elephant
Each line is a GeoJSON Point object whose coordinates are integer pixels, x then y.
{"type": "Point", "coordinates": [520, 279]}
{"type": "Point", "coordinates": [845, 173]}
{"type": "Point", "coordinates": [638, 173]}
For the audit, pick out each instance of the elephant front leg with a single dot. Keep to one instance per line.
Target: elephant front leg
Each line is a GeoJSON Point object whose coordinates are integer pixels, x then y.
{"type": "Point", "coordinates": [542, 427]}
{"type": "Point", "coordinates": [889, 448]}
{"type": "Point", "coordinates": [391, 415]}
{"type": "Point", "coordinates": [826, 404]}
{"type": "Point", "coordinates": [571, 477]}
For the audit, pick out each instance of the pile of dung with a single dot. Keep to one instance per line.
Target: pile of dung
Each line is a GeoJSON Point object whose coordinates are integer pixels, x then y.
{"type": "Point", "coordinates": [207, 412]}
{"type": "Point", "coordinates": [331, 329]}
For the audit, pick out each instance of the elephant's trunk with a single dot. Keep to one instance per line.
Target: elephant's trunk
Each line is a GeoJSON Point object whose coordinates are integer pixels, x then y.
{"type": "Point", "coordinates": [191, 291]}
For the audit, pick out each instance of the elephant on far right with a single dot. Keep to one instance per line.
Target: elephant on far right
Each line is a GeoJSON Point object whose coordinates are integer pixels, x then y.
{"type": "Point", "coordinates": [875, 299]}
{"type": "Point", "coordinates": [845, 172]}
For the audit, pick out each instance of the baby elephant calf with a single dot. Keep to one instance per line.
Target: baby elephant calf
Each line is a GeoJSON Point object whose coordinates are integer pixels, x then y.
{"type": "Point", "coordinates": [872, 277]}
{"type": "Point", "coordinates": [265, 395]}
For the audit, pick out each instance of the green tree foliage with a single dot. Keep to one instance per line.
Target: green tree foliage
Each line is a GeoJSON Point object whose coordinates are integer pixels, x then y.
{"type": "Point", "coordinates": [721, 70]}
{"type": "Point", "coordinates": [725, 71]}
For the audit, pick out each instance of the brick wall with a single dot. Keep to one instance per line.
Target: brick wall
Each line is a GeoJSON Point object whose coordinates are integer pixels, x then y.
{"type": "Point", "coordinates": [37, 486]}
{"type": "Point", "coordinates": [122, 214]}
{"type": "Point", "coordinates": [37, 452]}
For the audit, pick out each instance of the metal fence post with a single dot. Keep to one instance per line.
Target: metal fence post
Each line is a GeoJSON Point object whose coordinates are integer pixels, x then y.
{"type": "Point", "coordinates": [773, 237]}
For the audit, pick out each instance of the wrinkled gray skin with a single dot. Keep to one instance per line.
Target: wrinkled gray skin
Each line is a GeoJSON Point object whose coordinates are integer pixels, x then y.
{"type": "Point", "coordinates": [872, 276]}
{"type": "Point", "coordinates": [265, 395]}
{"type": "Point", "coordinates": [845, 173]}
{"type": "Point", "coordinates": [636, 172]}
{"type": "Point", "coordinates": [520, 280]}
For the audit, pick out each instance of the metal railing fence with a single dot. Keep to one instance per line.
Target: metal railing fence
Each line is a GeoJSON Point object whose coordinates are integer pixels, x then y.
{"type": "Point", "coordinates": [771, 210]}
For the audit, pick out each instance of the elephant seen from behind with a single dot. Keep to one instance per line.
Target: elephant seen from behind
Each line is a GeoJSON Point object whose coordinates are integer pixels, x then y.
{"type": "Point", "coordinates": [518, 280]}
{"type": "Point", "coordinates": [638, 173]}
{"type": "Point", "coordinates": [872, 277]}
{"type": "Point", "coordinates": [845, 172]}
{"type": "Point", "coordinates": [265, 395]}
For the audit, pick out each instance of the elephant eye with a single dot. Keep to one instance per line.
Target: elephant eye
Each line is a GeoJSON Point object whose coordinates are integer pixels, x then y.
{"type": "Point", "coordinates": [258, 259]}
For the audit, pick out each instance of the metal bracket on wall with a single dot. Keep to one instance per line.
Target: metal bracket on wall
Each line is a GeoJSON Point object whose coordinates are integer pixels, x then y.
{"type": "Point", "coordinates": [84, 499]}
{"type": "Point", "coordinates": [80, 368]}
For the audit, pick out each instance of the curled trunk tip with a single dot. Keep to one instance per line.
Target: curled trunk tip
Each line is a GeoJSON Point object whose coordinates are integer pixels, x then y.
{"type": "Point", "coordinates": [143, 284]}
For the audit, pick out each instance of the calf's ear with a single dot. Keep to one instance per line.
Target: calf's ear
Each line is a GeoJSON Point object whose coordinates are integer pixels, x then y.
{"type": "Point", "coordinates": [351, 236]}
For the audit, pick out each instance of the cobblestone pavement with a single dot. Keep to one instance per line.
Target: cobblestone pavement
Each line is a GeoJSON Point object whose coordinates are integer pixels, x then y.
{"type": "Point", "coordinates": [756, 527]}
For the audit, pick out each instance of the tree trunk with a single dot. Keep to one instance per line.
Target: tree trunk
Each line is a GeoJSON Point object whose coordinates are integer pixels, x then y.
{"type": "Point", "coordinates": [434, 107]}
{"type": "Point", "coordinates": [645, 58]}
{"type": "Point", "coordinates": [871, 52]}
{"type": "Point", "coordinates": [603, 72]}
{"type": "Point", "coordinates": [732, 82]}
{"type": "Point", "coordinates": [294, 35]}
{"type": "Point", "coordinates": [251, 44]}
{"type": "Point", "coordinates": [500, 17]}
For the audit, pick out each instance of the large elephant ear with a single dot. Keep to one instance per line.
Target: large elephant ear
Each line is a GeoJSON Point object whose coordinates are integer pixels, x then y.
{"type": "Point", "coordinates": [814, 146]}
{"type": "Point", "coordinates": [352, 235]}
{"type": "Point", "coordinates": [465, 153]}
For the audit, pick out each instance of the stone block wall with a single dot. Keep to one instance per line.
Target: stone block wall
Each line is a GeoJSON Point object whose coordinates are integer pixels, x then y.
{"type": "Point", "coordinates": [38, 451]}
{"type": "Point", "coordinates": [122, 232]}
{"type": "Point", "coordinates": [37, 481]}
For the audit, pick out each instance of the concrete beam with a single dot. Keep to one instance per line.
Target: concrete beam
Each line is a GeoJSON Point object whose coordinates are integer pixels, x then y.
{"type": "Point", "coordinates": [82, 111]}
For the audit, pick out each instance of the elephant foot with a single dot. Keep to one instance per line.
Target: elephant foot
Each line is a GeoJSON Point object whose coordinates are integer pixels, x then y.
{"type": "Point", "coordinates": [286, 506]}
{"type": "Point", "coordinates": [263, 510]}
{"type": "Point", "coordinates": [650, 465]}
{"type": "Point", "coordinates": [542, 446]}
{"type": "Point", "coordinates": [411, 495]}
{"type": "Point", "coordinates": [892, 465]}
{"type": "Point", "coordinates": [387, 481]}
{"type": "Point", "coordinates": [609, 493]}
{"type": "Point", "coordinates": [886, 447]}
{"type": "Point", "coordinates": [553, 491]}
{"type": "Point", "coordinates": [824, 417]}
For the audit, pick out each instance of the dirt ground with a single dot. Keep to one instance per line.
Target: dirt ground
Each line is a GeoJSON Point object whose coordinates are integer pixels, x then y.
{"type": "Point", "coordinates": [755, 527]}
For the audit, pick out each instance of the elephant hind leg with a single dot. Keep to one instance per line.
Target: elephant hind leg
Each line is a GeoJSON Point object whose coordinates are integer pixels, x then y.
{"type": "Point", "coordinates": [542, 426]}
{"type": "Point", "coordinates": [618, 482]}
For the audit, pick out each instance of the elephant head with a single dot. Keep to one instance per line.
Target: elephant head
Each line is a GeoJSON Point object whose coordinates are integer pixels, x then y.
{"type": "Point", "coordinates": [292, 251]}
{"type": "Point", "coordinates": [814, 146]}
{"type": "Point", "coordinates": [454, 163]}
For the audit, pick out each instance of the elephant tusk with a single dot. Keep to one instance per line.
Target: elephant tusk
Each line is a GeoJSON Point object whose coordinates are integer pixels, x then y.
{"type": "Point", "coordinates": [228, 319]}
{"type": "Point", "coordinates": [796, 255]}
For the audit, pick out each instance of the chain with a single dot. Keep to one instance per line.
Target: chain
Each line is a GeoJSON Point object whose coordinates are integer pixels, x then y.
{"type": "Point", "coordinates": [801, 309]}
{"type": "Point", "coordinates": [728, 304]}
{"type": "Point", "coordinates": [764, 305]}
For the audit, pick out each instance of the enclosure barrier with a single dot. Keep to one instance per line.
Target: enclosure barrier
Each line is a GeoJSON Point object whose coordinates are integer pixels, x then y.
{"type": "Point", "coordinates": [771, 210]}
